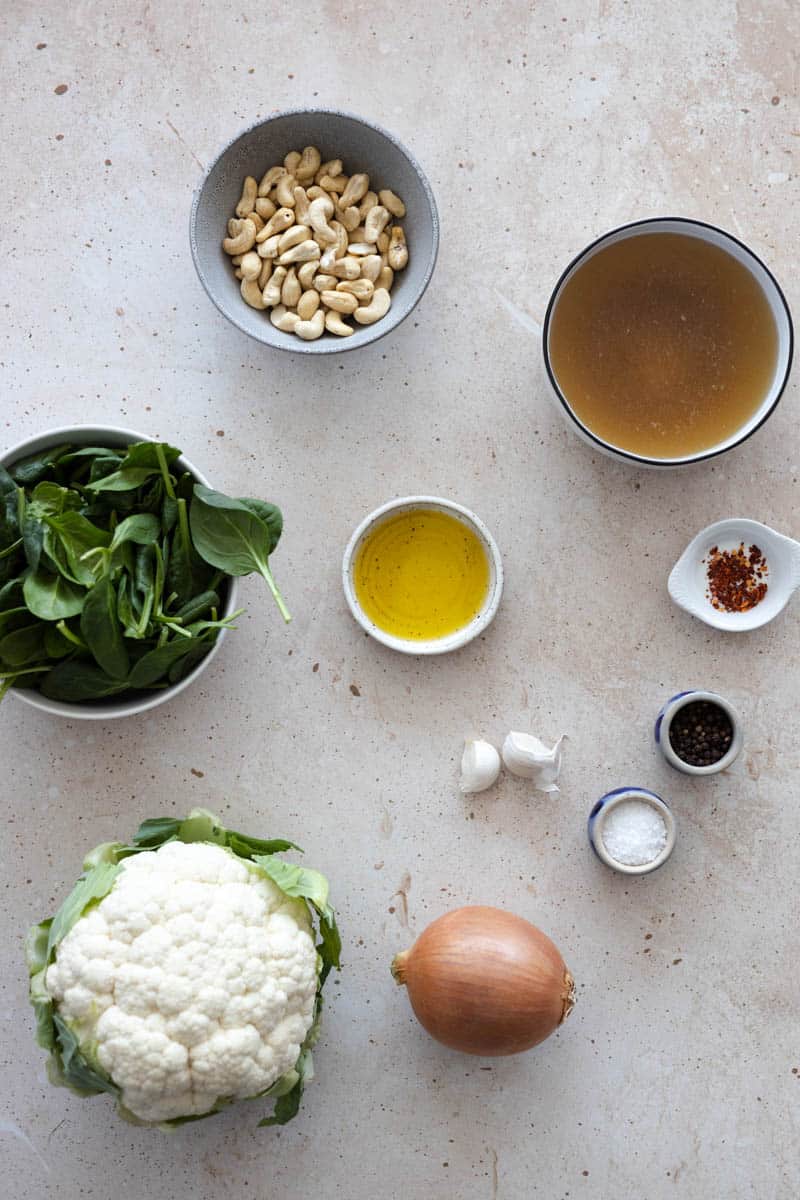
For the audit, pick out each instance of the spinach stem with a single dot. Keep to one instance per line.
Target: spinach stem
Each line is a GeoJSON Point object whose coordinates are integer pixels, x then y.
{"type": "Point", "coordinates": [162, 462]}
{"type": "Point", "coordinates": [273, 587]}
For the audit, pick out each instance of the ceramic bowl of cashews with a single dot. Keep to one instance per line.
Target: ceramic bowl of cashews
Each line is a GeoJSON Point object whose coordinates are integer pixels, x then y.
{"type": "Point", "coordinates": [315, 231]}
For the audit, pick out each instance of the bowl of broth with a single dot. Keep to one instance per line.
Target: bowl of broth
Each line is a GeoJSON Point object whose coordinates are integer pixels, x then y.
{"type": "Point", "coordinates": [667, 342]}
{"type": "Point", "coordinates": [423, 575]}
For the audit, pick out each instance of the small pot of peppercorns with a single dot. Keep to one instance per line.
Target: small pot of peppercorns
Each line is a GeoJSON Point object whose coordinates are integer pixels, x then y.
{"type": "Point", "coordinates": [699, 733]}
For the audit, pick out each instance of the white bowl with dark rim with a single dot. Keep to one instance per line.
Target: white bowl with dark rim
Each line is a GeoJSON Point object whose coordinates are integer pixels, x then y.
{"type": "Point", "coordinates": [459, 637]}
{"type": "Point", "coordinates": [107, 710]}
{"type": "Point", "coordinates": [775, 299]}
{"type": "Point", "coordinates": [611, 800]}
{"type": "Point", "coordinates": [671, 710]}
{"type": "Point", "coordinates": [364, 147]}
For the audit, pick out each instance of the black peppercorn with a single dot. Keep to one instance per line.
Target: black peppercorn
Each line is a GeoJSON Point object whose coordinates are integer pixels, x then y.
{"type": "Point", "coordinates": [701, 733]}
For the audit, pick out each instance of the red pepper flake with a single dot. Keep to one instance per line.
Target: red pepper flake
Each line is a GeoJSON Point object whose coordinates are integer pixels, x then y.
{"type": "Point", "coordinates": [736, 578]}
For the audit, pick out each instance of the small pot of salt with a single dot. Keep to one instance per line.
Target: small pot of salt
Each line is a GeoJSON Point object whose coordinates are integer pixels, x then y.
{"type": "Point", "coordinates": [632, 830]}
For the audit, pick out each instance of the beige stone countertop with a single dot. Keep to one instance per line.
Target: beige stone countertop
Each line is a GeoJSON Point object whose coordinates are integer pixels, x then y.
{"type": "Point", "coordinates": [540, 126]}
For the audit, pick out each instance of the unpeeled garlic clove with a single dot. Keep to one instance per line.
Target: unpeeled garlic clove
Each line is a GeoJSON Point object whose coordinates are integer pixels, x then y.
{"type": "Point", "coordinates": [480, 766]}
{"type": "Point", "coordinates": [526, 756]}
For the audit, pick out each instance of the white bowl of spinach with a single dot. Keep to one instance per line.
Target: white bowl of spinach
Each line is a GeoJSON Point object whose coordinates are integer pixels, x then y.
{"type": "Point", "coordinates": [118, 568]}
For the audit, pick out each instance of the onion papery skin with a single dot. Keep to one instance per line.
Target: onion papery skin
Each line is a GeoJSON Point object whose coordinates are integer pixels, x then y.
{"type": "Point", "coordinates": [486, 982]}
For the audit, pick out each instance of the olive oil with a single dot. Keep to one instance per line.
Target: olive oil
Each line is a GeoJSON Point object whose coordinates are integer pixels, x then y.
{"type": "Point", "coordinates": [421, 574]}
{"type": "Point", "coordinates": [663, 344]}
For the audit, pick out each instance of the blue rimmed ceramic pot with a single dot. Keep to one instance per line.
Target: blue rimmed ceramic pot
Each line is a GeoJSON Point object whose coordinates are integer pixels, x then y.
{"type": "Point", "coordinates": [606, 805]}
{"type": "Point", "coordinates": [671, 710]}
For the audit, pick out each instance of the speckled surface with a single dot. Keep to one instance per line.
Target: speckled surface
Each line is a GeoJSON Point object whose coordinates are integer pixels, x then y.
{"type": "Point", "coordinates": [539, 127]}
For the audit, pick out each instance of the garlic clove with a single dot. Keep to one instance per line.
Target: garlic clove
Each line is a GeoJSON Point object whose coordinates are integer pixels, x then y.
{"type": "Point", "coordinates": [480, 766]}
{"type": "Point", "coordinates": [528, 757]}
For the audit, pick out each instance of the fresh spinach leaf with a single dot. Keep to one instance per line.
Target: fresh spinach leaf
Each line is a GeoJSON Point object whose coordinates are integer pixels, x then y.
{"type": "Point", "coordinates": [157, 662]}
{"type": "Point", "coordinates": [232, 537]}
{"type": "Point", "coordinates": [56, 645]}
{"type": "Point", "coordinates": [270, 514]}
{"type": "Point", "coordinates": [197, 607]}
{"type": "Point", "coordinates": [69, 540]}
{"type": "Point", "coordinates": [101, 630]}
{"type": "Point", "coordinates": [32, 538]}
{"type": "Point", "coordinates": [126, 479]}
{"type": "Point", "coordinates": [52, 597]}
{"type": "Point", "coordinates": [51, 500]}
{"type": "Point", "coordinates": [23, 646]}
{"type": "Point", "coordinates": [74, 680]}
{"type": "Point", "coordinates": [28, 471]}
{"type": "Point", "coordinates": [141, 528]}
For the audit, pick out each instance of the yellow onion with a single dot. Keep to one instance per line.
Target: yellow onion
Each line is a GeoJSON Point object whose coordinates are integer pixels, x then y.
{"type": "Point", "coordinates": [486, 982]}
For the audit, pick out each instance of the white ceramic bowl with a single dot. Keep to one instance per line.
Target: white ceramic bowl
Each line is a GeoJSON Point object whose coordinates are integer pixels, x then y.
{"type": "Point", "coordinates": [607, 804]}
{"type": "Point", "coordinates": [667, 716]}
{"type": "Point", "coordinates": [107, 710]}
{"type": "Point", "coordinates": [772, 292]}
{"type": "Point", "coordinates": [687, 580]}
{"type": "Point", "coordinates": [460, 637]}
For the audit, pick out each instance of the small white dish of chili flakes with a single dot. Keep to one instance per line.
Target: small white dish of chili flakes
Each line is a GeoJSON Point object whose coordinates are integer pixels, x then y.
{"type": "Point", "coordinates": [736, 574]}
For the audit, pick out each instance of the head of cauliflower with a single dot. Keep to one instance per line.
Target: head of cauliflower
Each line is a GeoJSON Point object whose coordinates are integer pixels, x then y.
{"type": "Point", "coordinates": [194, 981]}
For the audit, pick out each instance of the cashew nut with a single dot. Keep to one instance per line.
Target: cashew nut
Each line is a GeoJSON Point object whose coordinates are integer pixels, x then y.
{"type": "Point", "coordinates": [291, 290]}
{"type": "Point", "coordinates": [241, 239]}
{"type": "Point", "coordinates": [302, 252]}
{"type": "Point", "coordinates": [311, 330]}
{"type": "Point", "coordinates": [362, 289]}
{"type": "Point", "coordinates": [265, 207]}
{"type": "Point", "coordinates": [340, 301]}
{"type": "Point", "coordinates": [247, 201]}
{"type": "Point", "coordinates": [332, 167]}
{"type": "Point", "coordinates": [378, 307]}
{"type": "Point", "coordinates": [279, 221]}
{"type": "Point", "coordinates": [319, 210]}
{"type": "Point", "coordinates": [306, 272]}
{"type": "Point", "coordinates": [237, 274]}
{"type": "Point", "coordinates": [284, 191]}
{"type": "Point", "coordinates": [236, 259]}
{"type": "Point", "coordinates": [349, 217]}
{"type": "Point", "coordinates": [291, 161]}
{"type": "Point", "coordinates": [250, 265]}
{"type": "Point", "coordinates": [272, 292]}
{"type": "Point", "coordinates": [394, 204]}
{"type": "Point", "coordinates": [335, 324]}
{"type": "Point", "coordinates": [375, 222]}
{"type": "Point", "coordinates": [357, 188]}
{"type": "Point", "coordinates": [398, 250]}
{"type": "Point", "coordinates": [360, 249]}
{"type": "Point", "coordinates": [346, 268]}
{"type": "Point", "coordinates": [269, 248]}
{"type": "Point", "coordinates": [369, 201]}
{"type": "Point", "coordinates": [301, 204]}
{"type": "Point", "coordinates": [385, 279]}
{"type": "Point", "coordinates": [371, 267]}
{"type": "Point", "coordinates": [284, 320]}
{"type": "Point", "coordinates": [325, 283]}
{"type": "Point", "coordinates": [293, 236]}
{"type": "Point", "coordinates": [269, 180]}
{"type": "Point", "coordinates": [308, 304]}
{"type": "Point", "coordinates": [334, 183]}
{"type": "Point", "coordinates": [267, 267]}
{"type": "Point", "coordinates": [251, 293]}
{"type": "Point", "coordinates": [383, 242]}
{"type": "Point", "coordinates": [308, 164]}
{"type": "Point", "coordinates": [328, 258]}
{"type": "Point", "coordinates": [315, 192]}
{"type": "Point", "coordinates": [342, 238]}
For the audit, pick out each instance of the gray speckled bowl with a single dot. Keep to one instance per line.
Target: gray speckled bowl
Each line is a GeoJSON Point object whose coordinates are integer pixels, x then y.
{"type": "Point", "coordinates": [363, 147]}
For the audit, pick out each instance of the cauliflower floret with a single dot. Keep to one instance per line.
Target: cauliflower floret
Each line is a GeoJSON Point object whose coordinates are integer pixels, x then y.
{"type": "Point", "coordinates": [195, 978]}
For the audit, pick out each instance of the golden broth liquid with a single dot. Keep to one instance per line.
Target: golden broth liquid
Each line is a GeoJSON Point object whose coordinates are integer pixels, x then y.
{"type": "Point", "coordinates": [421, 574]}
{"type": "Point", "coordinates": [663, 344]}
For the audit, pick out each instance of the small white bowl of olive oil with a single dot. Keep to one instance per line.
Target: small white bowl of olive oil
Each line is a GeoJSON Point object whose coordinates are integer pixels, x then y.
{"type": "Point", "coordinates": [422, 575]}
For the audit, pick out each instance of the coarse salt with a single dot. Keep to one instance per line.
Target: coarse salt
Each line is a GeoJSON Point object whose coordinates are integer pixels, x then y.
{"type": "Point", "coordinates": [634, 833]}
